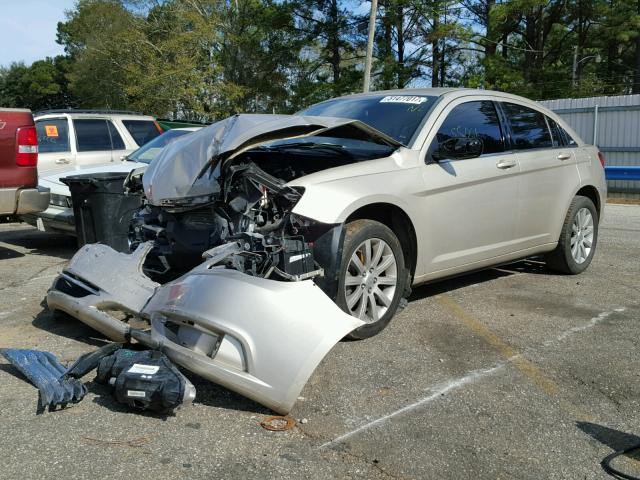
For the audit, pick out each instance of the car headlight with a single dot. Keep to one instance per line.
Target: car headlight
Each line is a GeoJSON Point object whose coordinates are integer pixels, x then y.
{"type": "Point", "coordinates": [63, 201]}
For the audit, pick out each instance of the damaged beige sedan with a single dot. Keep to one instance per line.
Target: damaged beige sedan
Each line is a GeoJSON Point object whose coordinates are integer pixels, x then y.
{"type": "Point", "coordinates": [265, 239]}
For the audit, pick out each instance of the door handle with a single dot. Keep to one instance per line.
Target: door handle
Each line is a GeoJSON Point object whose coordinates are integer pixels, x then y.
{"type": "Point", "coordinates": [563, 156]}
{"type": "Point", "coordinates": [61, 161]}
{"type": "Point", "coordinates": [504, 164]}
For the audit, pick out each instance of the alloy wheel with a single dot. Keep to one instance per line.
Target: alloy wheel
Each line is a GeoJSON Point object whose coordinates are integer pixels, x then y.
{"type": "Point", "coordinates": [582, 235]}
{"type": "Point", "coordinates": [371, 279]}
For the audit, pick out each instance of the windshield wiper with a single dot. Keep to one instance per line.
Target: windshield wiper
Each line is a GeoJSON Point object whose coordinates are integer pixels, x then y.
{"type": "Point", "coordinates": [311, 146]}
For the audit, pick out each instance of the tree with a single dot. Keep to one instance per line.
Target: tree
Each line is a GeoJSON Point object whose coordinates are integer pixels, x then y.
{"type": "Point", "coordinates": [42, 85]}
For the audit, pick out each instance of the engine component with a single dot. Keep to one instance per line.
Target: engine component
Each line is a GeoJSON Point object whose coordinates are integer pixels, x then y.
{"type": "Point", "coordinates": [252, 216]}
{"type": "Point", "coordinates": [146, 380]}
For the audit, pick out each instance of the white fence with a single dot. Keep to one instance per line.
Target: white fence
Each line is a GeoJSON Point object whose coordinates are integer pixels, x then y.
{"type": "Point", "coordinates": [611, 123]}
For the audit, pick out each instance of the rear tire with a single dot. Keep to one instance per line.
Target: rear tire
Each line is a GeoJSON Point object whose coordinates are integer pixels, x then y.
{"type": "Point", "coordinates": [578, 238]}
{"type": "Point", "coordinates": [372, 276]}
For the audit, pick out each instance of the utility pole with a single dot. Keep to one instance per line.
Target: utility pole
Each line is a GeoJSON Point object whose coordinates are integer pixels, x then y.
{"type": "Point", "coordinates": [372, 31]}
{"type": "Point", "coordinates": [574, 71]}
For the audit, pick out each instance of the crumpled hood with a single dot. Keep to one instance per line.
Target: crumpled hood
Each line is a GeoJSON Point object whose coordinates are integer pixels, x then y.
{"type": "Point", "coordinates": [182, 170]}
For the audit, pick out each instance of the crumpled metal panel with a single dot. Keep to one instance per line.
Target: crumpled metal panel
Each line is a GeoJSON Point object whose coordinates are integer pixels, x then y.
{"type": "Point", "coordinates": [180, 170]}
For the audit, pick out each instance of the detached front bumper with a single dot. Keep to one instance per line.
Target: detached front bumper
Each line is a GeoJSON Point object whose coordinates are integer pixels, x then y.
{"type": "Point", "coordinates": [261, 338]}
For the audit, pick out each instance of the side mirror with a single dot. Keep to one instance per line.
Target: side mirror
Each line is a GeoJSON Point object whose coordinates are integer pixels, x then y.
{"type": "Point", "coordinates": [458, 148]}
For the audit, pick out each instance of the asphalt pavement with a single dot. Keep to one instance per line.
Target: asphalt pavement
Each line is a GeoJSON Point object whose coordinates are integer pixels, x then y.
{"type": "Point", "coordinates": [513, 372]}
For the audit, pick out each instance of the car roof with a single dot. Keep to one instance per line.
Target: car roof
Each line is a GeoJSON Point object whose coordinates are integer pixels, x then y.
{"type": "Point", "coordinates": [92, 114]}
{"type": "Point", "coordinates": [434, 92]}
{"type": "Point", "coordinates": [450, 92]}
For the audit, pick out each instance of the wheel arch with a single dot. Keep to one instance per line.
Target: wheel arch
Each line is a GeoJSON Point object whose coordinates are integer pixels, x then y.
{"type": "Point", "coordinates": [592, 194]}
{"type": "Point", "coordinates": [396, 219]}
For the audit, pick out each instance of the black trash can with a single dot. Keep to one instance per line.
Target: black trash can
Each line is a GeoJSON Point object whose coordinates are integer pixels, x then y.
{"type": "Point", "coordinates": [101, 209]}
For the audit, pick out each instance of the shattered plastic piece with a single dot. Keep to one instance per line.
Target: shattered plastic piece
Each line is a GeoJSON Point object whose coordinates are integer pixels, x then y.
{"type": "Point", "coordinates": [44, 371]}
{"type": "Point", "coordinates": [146, 380]}
{"type": "Point", "coordinates": [261, 338]}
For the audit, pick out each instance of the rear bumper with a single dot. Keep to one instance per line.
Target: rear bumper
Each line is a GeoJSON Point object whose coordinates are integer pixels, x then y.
{"type": "Point", "coordinates": [17, 201]}
{"type": "Point", "coordinates": [53, 219]}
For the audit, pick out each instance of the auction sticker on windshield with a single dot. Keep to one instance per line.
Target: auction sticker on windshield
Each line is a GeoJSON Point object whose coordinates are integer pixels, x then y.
{"type": "Point", "coordinates": [404, 99]}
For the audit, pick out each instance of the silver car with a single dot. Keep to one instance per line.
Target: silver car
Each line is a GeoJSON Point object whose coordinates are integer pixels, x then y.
{"type": "Point", "coordinates": [264, 239]}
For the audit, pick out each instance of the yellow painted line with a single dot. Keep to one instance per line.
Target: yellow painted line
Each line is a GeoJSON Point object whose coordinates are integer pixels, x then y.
{"type": "Point", "coordinates": [522, 364]}
{"type": "Point", "coordinates": [512, 356]}
{"type": "Point", "coordinates": [527, 368]}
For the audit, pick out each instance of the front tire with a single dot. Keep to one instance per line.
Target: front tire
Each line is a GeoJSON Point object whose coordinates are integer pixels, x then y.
{"type": "Point", "coordinates": [372, 276]}
{"type": "Point", "coordinates": [578, 239]}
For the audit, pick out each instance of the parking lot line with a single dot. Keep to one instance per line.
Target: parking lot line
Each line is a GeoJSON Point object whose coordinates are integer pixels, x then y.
{"type": "Point", "coordinates": [437, 392]}
{"type": "Point", "coordinates": [529, 369]}
{"type": "Point", "coordinates": [512, 356]}
{"type": "Point", "coordinates": [522, 364]}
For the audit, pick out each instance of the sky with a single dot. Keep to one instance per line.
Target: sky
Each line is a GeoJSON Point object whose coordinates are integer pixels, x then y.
{"type": "Point", "coordinates": [28, 29]}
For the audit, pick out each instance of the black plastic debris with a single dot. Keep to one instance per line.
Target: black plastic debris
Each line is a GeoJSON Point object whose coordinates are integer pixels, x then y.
{"type": "Point", "coordinates": [90, 361]}
{"type": "Point", "coordinates": [44, 371]}
{"type": "Point", "coordinates": [145, 380]}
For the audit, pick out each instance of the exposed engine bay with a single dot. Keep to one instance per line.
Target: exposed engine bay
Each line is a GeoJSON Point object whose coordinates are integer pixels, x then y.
{"type": "Point", "coordinates": [247, 225]}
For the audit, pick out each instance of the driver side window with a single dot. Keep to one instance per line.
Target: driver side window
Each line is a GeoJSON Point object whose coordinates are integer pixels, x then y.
{"type": "Point", "coordinates": [475, 120]}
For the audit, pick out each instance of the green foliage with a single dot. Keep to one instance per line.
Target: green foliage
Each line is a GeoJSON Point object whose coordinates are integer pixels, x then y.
{"type": "Point", "coordinates": [40, 86]}
{"type": "Point", "coordinates": [207, 59]}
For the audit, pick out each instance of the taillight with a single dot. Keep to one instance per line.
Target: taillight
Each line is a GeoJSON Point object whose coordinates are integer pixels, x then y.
{"type": "Point", "coordinates": [26, 147]}
{"type": "Point", "coordinates": [601, 158]}
{"type": "Point", "coordinates": [160, 129]}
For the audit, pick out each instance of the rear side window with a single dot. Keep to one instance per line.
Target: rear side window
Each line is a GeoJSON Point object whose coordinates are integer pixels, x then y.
{"type": "Point", "coordinates": [568, 139]}
{"type": "Point", "coordinates": [560, 136]}
{"type": "Point", "coordinates": [474, 120]}
{"type": "Point", "coordinates": [96, 135]}
{"type": "Point", "coordinates": [53, 135]}
{"type": "Point", "coordinates": [116, 140]}
{"type": "Point", "coordinates": [528, 127]}
{"type": "Point", "coordinates": [142, 131]}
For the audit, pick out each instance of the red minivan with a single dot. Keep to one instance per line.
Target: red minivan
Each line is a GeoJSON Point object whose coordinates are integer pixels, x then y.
{"type": "Point", "coordinates": [19, 191]}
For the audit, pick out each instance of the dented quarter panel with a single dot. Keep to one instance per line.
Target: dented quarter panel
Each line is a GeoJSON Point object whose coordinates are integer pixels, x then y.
{"type": "Point", "coordinates": [331, 196]}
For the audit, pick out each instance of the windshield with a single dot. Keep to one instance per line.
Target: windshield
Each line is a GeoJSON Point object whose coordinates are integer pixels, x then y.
{"type": "Point", "coordinates": [399, 116]}
{"type": "Point", "coordinates": [150, 150]}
